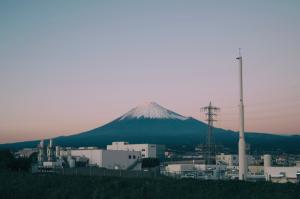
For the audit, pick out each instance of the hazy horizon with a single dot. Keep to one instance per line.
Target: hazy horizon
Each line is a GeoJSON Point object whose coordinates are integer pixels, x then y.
{"type": "Point", "coordinates": [67, 67]}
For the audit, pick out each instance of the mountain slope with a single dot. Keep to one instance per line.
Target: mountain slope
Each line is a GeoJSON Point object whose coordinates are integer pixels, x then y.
{"type": "Point", "coordinates": [152, 123]}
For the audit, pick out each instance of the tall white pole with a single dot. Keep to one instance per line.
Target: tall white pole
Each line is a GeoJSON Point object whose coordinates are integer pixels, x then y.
{"type": "Point", "coordinates": [242, 144]}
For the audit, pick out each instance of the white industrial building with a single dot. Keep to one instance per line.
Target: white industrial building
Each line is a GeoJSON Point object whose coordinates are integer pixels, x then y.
{"type": "Point", "coordinates": [228, 169]}
{"type": "Point", "coordinates": [179, 168]}
{"type": "Point", "coordinates": [110, 159]}
{"type": "Point", "coordinates": [53, 165]}
{"type": "Point", "coordinates": [147, 150]}
{"type": "Point", "coordinates": [200, 171]}
{"type": "Point", "coordinates": [280, 174]}
{"type": "Point", "coordinates": [51, 157]}
{"type": "Point", "coordinates": [232, 159]}
{"type": "Point", "coordinates": [256, 170]}
{"type": "Point", "coordinates": [26, 153]}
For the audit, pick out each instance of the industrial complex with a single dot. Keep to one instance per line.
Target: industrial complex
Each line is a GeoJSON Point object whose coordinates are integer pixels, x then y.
{"type": "Point", "coordinates": [118, 156]}
{"type": "Point", "coordinates": [206, 163]}
{"type": "Point", "coordinates": [128, 157]}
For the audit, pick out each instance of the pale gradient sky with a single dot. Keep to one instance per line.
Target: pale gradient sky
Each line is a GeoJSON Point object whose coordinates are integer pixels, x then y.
{"type": "Point", "coordinates": [70, 66]}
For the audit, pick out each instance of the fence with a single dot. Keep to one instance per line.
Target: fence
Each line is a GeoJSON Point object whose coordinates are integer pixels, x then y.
{"type": "Point", "coordinates": [94, 171]}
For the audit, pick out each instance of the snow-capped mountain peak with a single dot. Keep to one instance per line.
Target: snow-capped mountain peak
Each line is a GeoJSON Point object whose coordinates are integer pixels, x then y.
{"type": "Point", "coordinates": [151, 110]}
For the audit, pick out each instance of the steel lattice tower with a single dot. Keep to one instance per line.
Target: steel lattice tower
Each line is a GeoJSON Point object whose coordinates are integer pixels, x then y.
{"type": "Point", "coordinates": [211, 113]}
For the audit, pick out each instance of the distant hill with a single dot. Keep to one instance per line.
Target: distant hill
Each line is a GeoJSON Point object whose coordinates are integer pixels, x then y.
{"type": "Point", "coordinates": [152, 123]}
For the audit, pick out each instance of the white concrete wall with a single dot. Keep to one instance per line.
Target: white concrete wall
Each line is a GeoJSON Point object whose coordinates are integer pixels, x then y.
{"type": "Point", "coordinates": [113, 159]}
{"type": "Point", "coordinates": [64, 152]}
{"type": "Point", "coordinates": [289, 172]}
{"type": "Point", "coordinates": [94, 155]}
{"type": "Point", "coordinates": [110, 159]}
{"type": "Point", "coordinates": [178, 168]}
{"type": "Point", "coordinates": [147, 150]}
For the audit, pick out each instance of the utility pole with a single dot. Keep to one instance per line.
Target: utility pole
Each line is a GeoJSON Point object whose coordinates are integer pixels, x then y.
{"type": "Point", "coordinates": [211, 113]}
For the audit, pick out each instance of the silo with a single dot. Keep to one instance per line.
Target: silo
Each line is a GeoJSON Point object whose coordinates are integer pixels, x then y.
{"type": "Point", "coordinates": [267, 164]}
{"type": "Point", "coordinates": [57, 152]}
{"type": "Point", "coordinates": [51, 143]}
{"type": "Point", "coordinates": [71, 162]}
{"type": "Point", "coordinates": [41, 154]}
{"type": "Point", "coordinates": [267, 160]}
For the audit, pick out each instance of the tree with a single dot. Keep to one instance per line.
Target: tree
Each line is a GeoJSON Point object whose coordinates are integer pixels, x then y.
{"type": "Point", "coordinates": [150, 162]}
{"type": "Point", "coordinates": [9, 162]}
{"type": "Point", "coordinates": [6, 159]}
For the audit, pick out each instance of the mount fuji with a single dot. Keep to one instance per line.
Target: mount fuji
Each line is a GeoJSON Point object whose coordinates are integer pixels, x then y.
{"type": "Point", "coordinates": [152, 123]}
{"type": "Point", "coordinates": [151, 110]}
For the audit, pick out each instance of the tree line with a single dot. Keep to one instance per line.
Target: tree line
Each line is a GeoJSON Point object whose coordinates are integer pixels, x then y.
{"type": "Point", "coordinates": [10, 163]}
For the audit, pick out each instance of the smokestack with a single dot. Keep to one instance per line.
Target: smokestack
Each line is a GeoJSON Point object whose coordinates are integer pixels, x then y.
{"type": "Point", "coordinates": [42, 143]}
{"type": "Point", "coordinates": [41, 154]}
{"type": "Point", "coordinates": [51, 143]}
{"type": "Point", "coordinates": [50, 151]}
{"type": "Point", "coordinates": [57, 151]}
{"type": "Point", "coordinates": [242, 144]}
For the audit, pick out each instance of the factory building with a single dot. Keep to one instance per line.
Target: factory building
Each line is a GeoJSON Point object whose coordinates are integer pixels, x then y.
{"type": "Point", "coordinates": [199, 171]}
{"type": "Point", "coordinates": [26, 153]}
{"type": "Point", "coordinates": [179, 168]}
{"type": "Point", "coordinates": [256, 170]}
{"type": "Point", "coordinates": [147, 150]}
{"type": "Point", "coordinates": [50, 157]}
{"type": "Point", "coordinates": [280, 174]}
{"type": "Point", "coordinates": [110, 159]}
{"type": "Point", "coordinates": [47, 158]}
{"type": "Point", "coordinates": [232, 159]}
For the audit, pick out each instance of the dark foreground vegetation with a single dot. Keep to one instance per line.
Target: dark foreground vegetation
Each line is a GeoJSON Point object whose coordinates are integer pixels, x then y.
{"type": "Point", "coordinates": [19, 185]}
{"type": "Point", "coordinates": [9, 162]}
{"type": "Point", "coordinates": [16, 182]}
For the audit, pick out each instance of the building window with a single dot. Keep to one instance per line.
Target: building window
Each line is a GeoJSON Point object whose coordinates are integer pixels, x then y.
{"type": "Point", "coordinates": [129, 156]}
{"type": "Point", "coordinates": [134, 157]}
{"type": "Point", "coordinates": [143, 150]}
